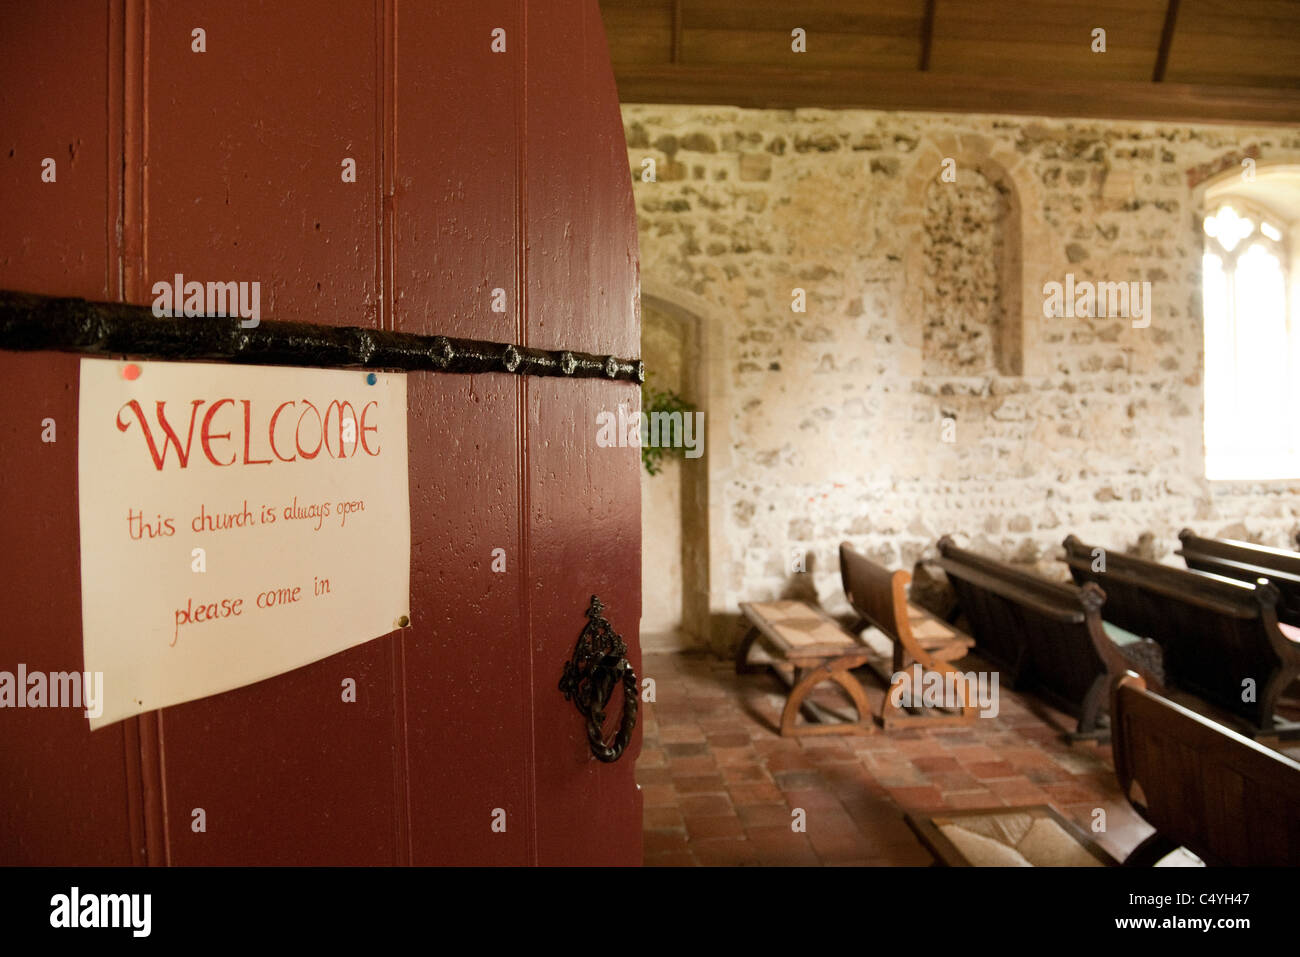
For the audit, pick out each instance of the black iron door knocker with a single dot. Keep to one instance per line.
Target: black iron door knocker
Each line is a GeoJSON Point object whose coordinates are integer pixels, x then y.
{"type": "Point", "coordinates": [599, 664]}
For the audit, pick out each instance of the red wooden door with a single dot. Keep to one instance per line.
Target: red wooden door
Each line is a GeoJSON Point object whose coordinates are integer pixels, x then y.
{"type": "Point", "coordinates": [478, 170]}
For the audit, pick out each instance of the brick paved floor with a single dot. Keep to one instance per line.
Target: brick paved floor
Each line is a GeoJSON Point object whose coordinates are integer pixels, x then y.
{"type": "Point", "coordinates": [719, 785]}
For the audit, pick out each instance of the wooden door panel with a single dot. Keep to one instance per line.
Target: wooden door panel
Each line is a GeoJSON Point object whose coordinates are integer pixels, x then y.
{"type": "Point", "coordinates": [582, 294]}
{"type": "Point", "coordinates": [456, 188]}
{"type": "Point", "coordinates": [285, 771]}
{"type": "Point", "coordinates": [245, 150]}
{"type": "Point", "coordinates": [64, 793]}
{"type": "Point", "coordinates": [65, 798]}
{"type": "Point", "coordinates": [587, 812]}
{"type": "Point", "coordinates": [465, 656]}
{"type": "Point", "coordinates": [456, 227]}
{"type": "Point", "coordinates": [56, 237]}
{"type": "Point", "coordinates": [583, 283]}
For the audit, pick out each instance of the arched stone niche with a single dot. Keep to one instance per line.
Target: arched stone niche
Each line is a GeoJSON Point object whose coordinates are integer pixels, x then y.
{"type": "Point", "coordinates": [975, 263]}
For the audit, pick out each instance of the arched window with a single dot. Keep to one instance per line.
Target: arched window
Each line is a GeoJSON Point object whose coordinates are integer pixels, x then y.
{"type": "Point", "coordinates": [1252, 350]}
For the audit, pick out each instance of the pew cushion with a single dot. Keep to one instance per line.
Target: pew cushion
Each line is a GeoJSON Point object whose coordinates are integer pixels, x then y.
{"type": "Point", "coordinates": [932, 632]}
{"type": "Point", "coordinates": [1121, 636]}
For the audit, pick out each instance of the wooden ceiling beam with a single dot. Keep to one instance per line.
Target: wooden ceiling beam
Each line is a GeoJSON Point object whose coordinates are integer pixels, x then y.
{"type": "Point", "coordinates": [927, 34]}
{"type": "Point", "coordinates": [677, 31]}
{"type": "Point", "coordinates": [770, 88]}
{"type": "Point", "coordinates": [1166, 39]}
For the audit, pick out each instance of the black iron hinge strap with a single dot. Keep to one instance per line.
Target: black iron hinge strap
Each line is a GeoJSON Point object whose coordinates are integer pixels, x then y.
{"type": "Point", "coordinates": [30, 322]}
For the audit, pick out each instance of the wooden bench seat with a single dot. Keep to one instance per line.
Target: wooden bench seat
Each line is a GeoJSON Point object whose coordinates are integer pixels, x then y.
{"type": "Point", "coordinates": [1045, 637]}
{"type": "Point", "coordinates": [1218, 636]}
{"type": "Point", "coordinates": [879, 597]}
{"type": "Point", "coordinates": [807, 647]}
{"type": "Point", "coordinates": [1249, 563]}
{"type": "Point", "coordinates": [1225, 798]}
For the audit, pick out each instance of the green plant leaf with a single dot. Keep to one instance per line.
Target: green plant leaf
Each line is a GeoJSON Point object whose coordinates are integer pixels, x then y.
{"type": "Point", "coordinates": [661, 400]}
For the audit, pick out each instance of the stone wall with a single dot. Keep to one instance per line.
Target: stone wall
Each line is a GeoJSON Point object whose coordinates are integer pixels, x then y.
{"type": "Point", "coordinates": [922, 391]}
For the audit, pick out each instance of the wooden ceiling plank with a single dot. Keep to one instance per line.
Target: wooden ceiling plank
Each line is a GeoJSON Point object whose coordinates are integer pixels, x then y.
{"type": "Point", "coordinates": [1146, 35]}
{"type": "Point", "coordinates": [1207, 50]}
{"type": "Point", "coordinates": [1051, 16]}
{"type": "Point", "coordinates": [814, 8]}
{"type": "Point", "coordinates": [1238, 78]}
{"type": "Point", "coordinates": [1196, 52]}
{"type": "Point", "coordinates": [1236, 9]}
{"type": "Point", "coordinates": [1031, 52]}
{"type": "Point", "coordinates": [1238, 28]}
{"type": "Point", "coordinates": [734, 47]}
{"type": "Point", "coordinates": [1202, 58]}
{"type": "Point", "coordinates": [637, 35]}
{"type": "Point", "coordinates": [715, 15]}
{"type": "Point", "coordinates": [1037, 61]}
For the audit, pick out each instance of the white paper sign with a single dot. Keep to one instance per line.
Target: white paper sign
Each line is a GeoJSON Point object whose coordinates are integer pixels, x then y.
{"type": "Point", "coordinates": [237, 522]}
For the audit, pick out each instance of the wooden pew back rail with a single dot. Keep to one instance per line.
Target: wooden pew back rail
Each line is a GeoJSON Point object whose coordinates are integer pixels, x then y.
{"type": "Point", "coordinates": [1247, 562]}
{"type": "Point", "coordinates": [1220, 637]}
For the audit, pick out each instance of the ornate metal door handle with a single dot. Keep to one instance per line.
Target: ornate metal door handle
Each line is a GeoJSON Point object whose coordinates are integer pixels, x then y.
{"type": "Point", "coordinates": [599, 663]}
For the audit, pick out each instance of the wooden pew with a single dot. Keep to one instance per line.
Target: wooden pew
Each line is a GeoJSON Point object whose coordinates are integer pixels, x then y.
{"type": "Point", "coordinates": [1044, 636]}
{"type": "Point", "coordinates": [1214, 632]}
{"type": "Point", "coordinates": [1248, 563]}
{"type": "Point", "coordinates": [1228, 800]}
{"type": "Point", "coordinates": [879, 597]}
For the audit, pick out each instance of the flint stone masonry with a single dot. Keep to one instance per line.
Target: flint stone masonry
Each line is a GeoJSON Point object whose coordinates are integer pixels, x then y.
{"type": "Point", "coordinates": [963, 252]}
{"type": "Point", "coordinates": [924, 301]}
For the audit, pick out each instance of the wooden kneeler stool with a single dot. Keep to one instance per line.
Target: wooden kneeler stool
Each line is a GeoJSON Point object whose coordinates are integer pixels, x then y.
{"type": "Point", "coordinates": [1034, 836]}
{"type": "Point", "coordinates": [806, 647]}
{"type": "Point", "coordinates": [879, 597]}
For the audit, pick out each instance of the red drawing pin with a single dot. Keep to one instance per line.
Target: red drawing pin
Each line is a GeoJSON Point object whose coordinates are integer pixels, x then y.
{"type": "Point", "coordinates": [131, 372]}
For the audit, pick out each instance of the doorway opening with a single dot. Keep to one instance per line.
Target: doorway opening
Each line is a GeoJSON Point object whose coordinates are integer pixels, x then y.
{"type": "Point", "coordinates": [674, 502]}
